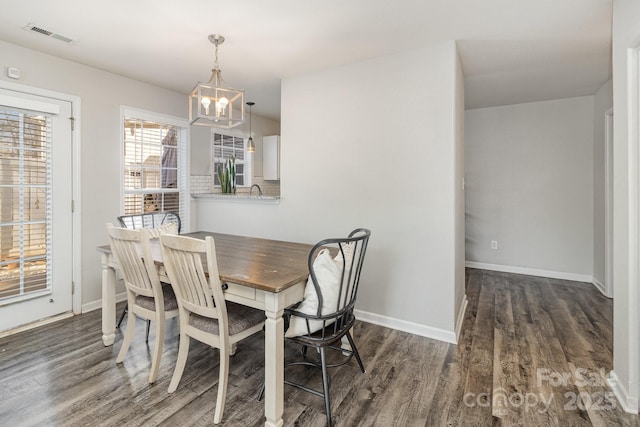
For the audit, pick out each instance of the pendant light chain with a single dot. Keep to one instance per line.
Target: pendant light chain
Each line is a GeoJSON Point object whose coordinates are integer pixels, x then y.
{"type": "Point", "coordinates": [216, 73]}
{"type": "Point", "coordinates": [215, 62]}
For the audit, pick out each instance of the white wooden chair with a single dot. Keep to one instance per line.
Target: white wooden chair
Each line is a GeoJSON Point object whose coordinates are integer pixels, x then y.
{"type": "Point", "coordinates": [151, 221]}
{"type": "Point", "coordinates": [146, 297]}
{"type": "Point", "coordinates": [204, 313]}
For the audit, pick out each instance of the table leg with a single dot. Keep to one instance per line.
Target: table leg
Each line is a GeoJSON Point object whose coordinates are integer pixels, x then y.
{"type": "Point", "coordinates": [108, 302]}
{"type": "Point", "coordinates": [274, 368]}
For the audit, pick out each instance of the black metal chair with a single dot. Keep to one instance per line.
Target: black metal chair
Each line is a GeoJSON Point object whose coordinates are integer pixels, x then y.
{"type": "Point", "coordinates": [334, 277]}
{"type": "Point", "coordinates": [149, 220]}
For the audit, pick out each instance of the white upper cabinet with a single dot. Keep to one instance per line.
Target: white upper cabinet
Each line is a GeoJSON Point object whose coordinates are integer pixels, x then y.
{"type": "Point", "coordinates": [271, 157]}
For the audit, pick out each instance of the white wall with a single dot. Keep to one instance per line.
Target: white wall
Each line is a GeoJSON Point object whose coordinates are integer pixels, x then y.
{"type": "Point", "coordinates": [529, 185]}
{"type": "Point", "coordinates": [626, 333]}
{"type": "Point", "coordinates": [358, 153]}
{"type": "Point", "coordinates": [602, 101]}
{"type": "Point", "coordinates": [101, 95]}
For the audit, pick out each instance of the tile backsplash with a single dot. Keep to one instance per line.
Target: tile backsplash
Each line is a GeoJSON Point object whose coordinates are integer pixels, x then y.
{"type": "Point", "coordinates": [201, 184]}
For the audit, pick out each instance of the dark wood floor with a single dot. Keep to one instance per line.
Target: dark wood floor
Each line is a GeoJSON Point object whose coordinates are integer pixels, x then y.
{"type": "Point", "coordinates": [533, 352]}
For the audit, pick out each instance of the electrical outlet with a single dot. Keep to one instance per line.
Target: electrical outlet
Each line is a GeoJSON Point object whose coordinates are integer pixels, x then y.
{"type": "Point", "coordinates": [494, 244]}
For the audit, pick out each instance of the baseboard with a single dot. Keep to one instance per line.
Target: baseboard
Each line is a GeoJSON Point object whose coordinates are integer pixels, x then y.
{"type": "Point", "coordinates": [410, 327]}
{"type": "Point", "coordinates": [36, 324]}
{"type": "Point", "coordinates": [629, 404]}
{"type": "Point", "coordinates": [365, 316]}
{"type": "Point", "coordinates": [94, 305]}
{"type": "Point", "coordinates": [600, 286]}
{"type": "Point", "coordinates": [460, 318]}
{"type": "Point", "coordinates": [531, 271]}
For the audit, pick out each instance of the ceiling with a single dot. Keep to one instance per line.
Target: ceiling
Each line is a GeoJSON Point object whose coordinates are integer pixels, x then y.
{"type": "Point", "coordinates": [511, 51]}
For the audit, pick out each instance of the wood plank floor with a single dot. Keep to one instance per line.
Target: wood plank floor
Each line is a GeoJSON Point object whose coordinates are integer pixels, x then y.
{"type": "Point", "coordinates": [533, 352]}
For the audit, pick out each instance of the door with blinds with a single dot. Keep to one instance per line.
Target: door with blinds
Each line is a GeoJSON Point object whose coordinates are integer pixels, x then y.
{"type": "Point", "coordinates": [35, 208]}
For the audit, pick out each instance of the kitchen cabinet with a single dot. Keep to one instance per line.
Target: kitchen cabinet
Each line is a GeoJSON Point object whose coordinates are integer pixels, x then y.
{"type": "Point", "coordinates": [271, 157]}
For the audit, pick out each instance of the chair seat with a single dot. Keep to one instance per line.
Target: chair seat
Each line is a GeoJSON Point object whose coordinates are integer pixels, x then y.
{"type": "Point", "coordinates": [327, 336]}
{"type": "Point", "coordinates": [170, 301]}
{"type": "Point", "coordinates": [240, 317]}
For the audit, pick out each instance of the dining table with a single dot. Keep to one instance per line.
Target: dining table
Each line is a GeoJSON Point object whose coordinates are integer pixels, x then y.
{"type": "Point", "coordinates": [266, 274]}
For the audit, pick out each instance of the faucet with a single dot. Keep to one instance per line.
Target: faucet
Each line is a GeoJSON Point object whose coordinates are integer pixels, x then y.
{"type": "Point", "coordinates": [259, 190]}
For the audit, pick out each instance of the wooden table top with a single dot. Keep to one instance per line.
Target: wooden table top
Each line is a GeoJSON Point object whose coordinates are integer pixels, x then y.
{"type": "Point", "coordinates": [269, 265]}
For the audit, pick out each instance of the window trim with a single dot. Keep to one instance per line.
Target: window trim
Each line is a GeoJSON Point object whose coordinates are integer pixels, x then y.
{"type": "Point", "coordinates": [183, 155]}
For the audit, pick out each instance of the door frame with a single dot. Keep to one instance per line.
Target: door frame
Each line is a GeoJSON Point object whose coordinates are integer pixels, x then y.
{"type": "Point", "coordinates": [608, 202]}
{"type": "Point", "coordinates": [632, 401]}
{"type": "Point", "coordinates": [76, 271]}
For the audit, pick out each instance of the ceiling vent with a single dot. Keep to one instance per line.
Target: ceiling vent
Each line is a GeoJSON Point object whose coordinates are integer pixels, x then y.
{"type": "Point", "coordinates": [36, 29]}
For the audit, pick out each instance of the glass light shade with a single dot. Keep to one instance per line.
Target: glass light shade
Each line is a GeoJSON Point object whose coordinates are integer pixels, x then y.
{"type": "Point", "coordinates": [211, 104]}
{"type": "Point", "coordinates": [251, 146]}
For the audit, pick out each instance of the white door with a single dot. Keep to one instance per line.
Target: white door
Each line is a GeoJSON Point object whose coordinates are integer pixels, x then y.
{"type": "Point", "coordinates": [35, 208]}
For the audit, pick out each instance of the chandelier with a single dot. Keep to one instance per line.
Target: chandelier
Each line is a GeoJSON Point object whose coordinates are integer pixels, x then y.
{"type": "Point", "coordinates": [213, 103]}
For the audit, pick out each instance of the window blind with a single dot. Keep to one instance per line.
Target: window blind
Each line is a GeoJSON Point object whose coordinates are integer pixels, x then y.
{"type": "Point", "coordinates": [25, 202]}
{"type": "Point", "coordinates": [153, 165]}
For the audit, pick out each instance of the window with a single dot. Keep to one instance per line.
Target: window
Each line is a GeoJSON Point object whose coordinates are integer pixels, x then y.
{"type": "Point", "coordinates": [154, 163]}
{"type": "Point", "coordinates": [225, 146]}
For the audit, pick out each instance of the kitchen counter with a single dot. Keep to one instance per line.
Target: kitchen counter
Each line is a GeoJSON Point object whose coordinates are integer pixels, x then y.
{"type": "Point", "coordinates": [238, 197]}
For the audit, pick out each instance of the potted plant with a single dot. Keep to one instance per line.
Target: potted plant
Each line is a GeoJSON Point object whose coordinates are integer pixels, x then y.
{"type": "Point", "coordinates": [227, 175]}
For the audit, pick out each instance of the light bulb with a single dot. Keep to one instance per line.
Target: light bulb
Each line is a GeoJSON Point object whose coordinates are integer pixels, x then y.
{"type": "Point", "coordinates": [205, 103]}
{"type": "Point", "coordinates": [221, 106]}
